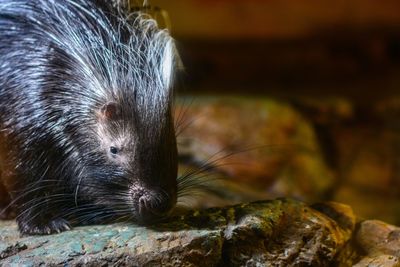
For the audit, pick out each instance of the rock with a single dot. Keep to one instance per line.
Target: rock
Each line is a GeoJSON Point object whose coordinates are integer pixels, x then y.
{"type": "Point", "coordinates": [361, 144]}
{"type": "Point", "coordinates": [379, 243]}
{"type": "Point", "coordinates": [280, 233]}
{"type": "Point", "coordinates": [262, 143]}
{"type": "Point", "coordinates": [378, 261]}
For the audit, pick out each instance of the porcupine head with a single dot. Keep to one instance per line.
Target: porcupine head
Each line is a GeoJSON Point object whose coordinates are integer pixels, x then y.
{"type": "Point", "coordinates": [134, 156]}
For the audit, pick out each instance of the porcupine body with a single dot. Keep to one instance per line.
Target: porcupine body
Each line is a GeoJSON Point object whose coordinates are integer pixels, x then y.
{"type": "Point", "coordinates": [86, 128]}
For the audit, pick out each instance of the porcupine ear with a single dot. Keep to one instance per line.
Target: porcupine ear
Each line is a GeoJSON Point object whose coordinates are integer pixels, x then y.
{"type": "Point", "coordinates": [109, 111]}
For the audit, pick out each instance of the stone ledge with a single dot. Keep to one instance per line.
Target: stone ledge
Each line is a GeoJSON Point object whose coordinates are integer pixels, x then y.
{"type": "Point", "coordinates": [280, 232]}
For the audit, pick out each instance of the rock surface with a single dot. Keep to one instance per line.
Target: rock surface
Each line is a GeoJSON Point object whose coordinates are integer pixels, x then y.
{"type": "Point", "coordinates": [380, 244]}
{"type": "Point", "coordinates": [280, 233]}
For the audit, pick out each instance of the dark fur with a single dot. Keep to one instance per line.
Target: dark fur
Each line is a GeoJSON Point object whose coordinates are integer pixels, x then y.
{"type": "Point", "coordinates": [76, 78]}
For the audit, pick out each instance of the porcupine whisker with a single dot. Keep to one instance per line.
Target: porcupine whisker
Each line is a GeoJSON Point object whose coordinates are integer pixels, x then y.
{"type": "Point", "coordinates": [184, 125]}
{"type": "Point", "coordinates": [190, 182]}
{"type": "Point", "coordinates": [94, 216]}
{"type": "Point", "coordinates": [36, 205]}
{"type": "Point", "coordinates": [44, 198]}
{"type": "Point", "coordinates": [35, 187]}
{"type": "Point", "coordinates": [192, 176]}
{"type": "Point", "coordinates": [180, 125]}
{"type": "Point", "coordinates": [210, 161]}
{"type": "Point", "coordinates": [206, 165]}
{"type": "Point", "coordinates": [92, 211]}
{"type": "Point", "coordinates": [22, 195]}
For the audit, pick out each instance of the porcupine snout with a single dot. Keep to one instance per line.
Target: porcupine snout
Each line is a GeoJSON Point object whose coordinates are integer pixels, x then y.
{"type": "Point", "coordinates": [151, 204]}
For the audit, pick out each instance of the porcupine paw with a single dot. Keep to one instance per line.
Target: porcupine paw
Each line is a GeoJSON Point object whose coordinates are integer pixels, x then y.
{"type": "Point", "coordinates": [44, 228]}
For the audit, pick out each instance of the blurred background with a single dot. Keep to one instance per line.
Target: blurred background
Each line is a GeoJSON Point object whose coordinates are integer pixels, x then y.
{"type": "Point", "coordinates": [290, 98]}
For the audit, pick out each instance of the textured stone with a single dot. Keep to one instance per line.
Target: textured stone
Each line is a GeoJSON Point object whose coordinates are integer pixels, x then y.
{"type": "Point", "coordinates": [279, 233]}
{"type": "Point", "coordinates": [379, 243]}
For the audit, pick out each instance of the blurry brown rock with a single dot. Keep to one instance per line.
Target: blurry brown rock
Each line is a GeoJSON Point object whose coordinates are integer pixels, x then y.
{"type": "Point", "coordinates": [361, 144]}
{"type": "Point", "coordinates": [264, 144]}
{"type": "Point", "coordinates": [379, 244]}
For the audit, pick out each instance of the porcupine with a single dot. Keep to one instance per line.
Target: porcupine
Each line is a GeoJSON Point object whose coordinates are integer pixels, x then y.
{"type": "Point", "coordinates": [86, 126]}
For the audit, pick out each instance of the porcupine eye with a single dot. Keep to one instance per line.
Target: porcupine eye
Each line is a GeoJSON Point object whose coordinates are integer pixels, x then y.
{"type": "Point", "coordinates": [113, 150]}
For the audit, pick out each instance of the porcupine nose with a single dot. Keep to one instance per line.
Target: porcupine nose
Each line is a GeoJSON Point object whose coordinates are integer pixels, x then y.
{"type": "Point", "coordinates": [152, 207]}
